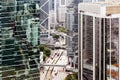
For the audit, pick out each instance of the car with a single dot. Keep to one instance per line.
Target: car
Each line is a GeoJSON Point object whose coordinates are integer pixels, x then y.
{"type": "Point", "coordinates": [55, 53]}
{"type": "Point", "coordinates": [42, 68]}
{"type": "Point", "coordinates": [56, 72]}
{"type": "Point", "coordinates": [68, 69]}
{"type": "Point", "coordinates": [52, 57]}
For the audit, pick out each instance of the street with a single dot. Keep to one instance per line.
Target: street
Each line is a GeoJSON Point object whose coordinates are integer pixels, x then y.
{"type": "Point", "coordinates": [55, 71]}
{"type": "Point", "coordinates": [61, 74]}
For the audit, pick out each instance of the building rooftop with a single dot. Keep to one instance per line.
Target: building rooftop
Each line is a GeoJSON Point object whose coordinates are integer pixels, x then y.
{"type": "Point", "coordinates": [109, 1]}
{"type": "Point", "coordinates": [101, 8]}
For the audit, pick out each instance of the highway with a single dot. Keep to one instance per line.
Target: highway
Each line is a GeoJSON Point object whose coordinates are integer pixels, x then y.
{"type": "Point", "coordinates": [50, 69]}
{"type": "Point", "coordinates": [52, 61]}
{"type": "Point", "coordinates": [56, 63]}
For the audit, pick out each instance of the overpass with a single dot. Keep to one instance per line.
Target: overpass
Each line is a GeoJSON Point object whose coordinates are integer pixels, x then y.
{"type": "Point", "coordinates": [54, 65]}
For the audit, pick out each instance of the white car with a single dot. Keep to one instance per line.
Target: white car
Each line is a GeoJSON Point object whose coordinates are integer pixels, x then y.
{"type": "Point", "coordinates": [56, 72]}
{"type": "Point", "coordinates": [68, 69]}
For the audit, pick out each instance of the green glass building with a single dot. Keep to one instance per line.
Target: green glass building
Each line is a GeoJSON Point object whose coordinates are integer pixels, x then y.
{"type": "Point", "coordinates": [19, 39]}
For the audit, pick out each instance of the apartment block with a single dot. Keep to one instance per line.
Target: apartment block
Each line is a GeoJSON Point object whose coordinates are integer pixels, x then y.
{"type": "Point", "coordinates": [99, 41]}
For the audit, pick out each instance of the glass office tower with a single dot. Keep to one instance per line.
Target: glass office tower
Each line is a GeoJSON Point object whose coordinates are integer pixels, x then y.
{"type": "Point", "coordinates": [44, 14]}
{"type": "Point", "coordinates": [19, 40]}
{"type": "Point", "coordinates": [99, 46]}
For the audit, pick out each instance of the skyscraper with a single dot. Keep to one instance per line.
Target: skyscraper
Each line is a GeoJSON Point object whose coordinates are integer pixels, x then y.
{"type": "Point", "coordinates": [72, 28]}
{"type": "Point", "coordinates": [6, 39]}
{"type": "Point", "coordinates": [61, 12]}
{"type": "Point", "coordinates": [19, 52]}
{"type": "Point", "coordinates": [99, 36]}
{"type": "Point", "coordinates": [62, 2]}
{"type": "Point", "coordinates": [44, 15]}
{"type": "Point", "coordinates": [45, 8]}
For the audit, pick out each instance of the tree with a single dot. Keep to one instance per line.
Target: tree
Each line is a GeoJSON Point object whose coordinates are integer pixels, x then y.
{"type": "Point", "coordinates": [44, 57]}
{"type": "Point", "coordinates": [47, 52]}
{"type": "Point", "coordinates": [52, 47]}
{"type": "Point", "coordinates": [68, 77]}
{"type": "Point", "coordinates": [56, 36]}
{"type": "Point", "coordinates": [73, 76]}
{"type": "Point", "coordinates": [62, 29]}
{"type": "Point", "coordinates": [42, 47]}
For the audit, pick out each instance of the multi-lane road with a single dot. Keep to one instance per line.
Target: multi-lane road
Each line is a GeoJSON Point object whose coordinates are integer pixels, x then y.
{"type": "Point", "coordinates": [50, 72]}
{"type": "Point", "coordinates": [55, 72]}
{"type": "Point", "coordinates": [50, 69]}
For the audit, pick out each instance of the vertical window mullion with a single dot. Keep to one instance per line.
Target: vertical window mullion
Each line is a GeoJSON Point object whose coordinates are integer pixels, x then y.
{"type": "Point", "coordinates": [104, 65]}
{"type": "Point", "coordinates": [119, 48]}
{"type": "Point", "coordinates": [81, 45]}
{"type": "Point", "coordinates": [100, 49]}
{"type": "Point", "coordinates": [110, 49]}
{"type": "Point", "coordinates": [94, 69]}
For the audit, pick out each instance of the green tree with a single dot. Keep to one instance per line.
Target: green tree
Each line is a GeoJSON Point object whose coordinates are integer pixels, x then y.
{"type": "Point", "coordinates": [55, 36]}
{"type": "Point", "coordinates": [62, 29]}
{"type": "Point", "coordinates": [47, 52]}
{"type": "Point", "coordinates": [44, 57]}
{"type": "Point", "coordinates": [52, 47]}
{"type": "Point", "coordinates": [42, 47]}
{"type": "Point", "coordinates": [73, 76]}
{"type": "Point", "coordinates": [68, 77]}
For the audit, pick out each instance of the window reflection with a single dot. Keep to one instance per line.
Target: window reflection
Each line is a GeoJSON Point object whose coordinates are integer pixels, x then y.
{"type": "Point", "coordinates": [113, 49]}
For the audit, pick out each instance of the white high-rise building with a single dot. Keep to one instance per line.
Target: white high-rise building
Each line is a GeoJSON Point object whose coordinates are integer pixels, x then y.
{"type": "Point", "coordinates": [62, 2]}
{"type": "Point", "coordinates": [71, 24]}
{"type": "Point", "coordinates": [61, 15]}
{"type": "Point", "coordinates": [52, 19]}
{"type": "Point", "coordinates": [99, 41]}
{"type": "Point", "coordinates": [61, 12]}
